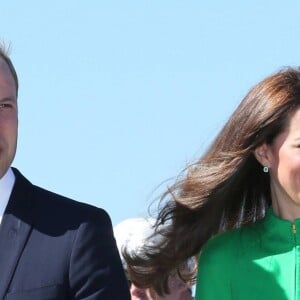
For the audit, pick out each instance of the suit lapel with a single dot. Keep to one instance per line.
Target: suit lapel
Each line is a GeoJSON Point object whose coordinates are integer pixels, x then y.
{"type": "Point", "coordinates": [14, 230]}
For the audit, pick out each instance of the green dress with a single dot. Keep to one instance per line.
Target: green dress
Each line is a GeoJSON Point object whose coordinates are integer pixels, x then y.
{"type": "Point", "coordinates": [258, 261]}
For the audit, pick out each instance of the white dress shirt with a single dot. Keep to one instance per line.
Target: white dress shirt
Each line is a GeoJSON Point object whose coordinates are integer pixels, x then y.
{"type": "Point", "coordinates": [6, 185]}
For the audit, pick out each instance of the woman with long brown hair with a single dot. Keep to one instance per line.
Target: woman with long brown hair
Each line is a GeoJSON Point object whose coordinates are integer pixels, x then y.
{"type": "Point", "coordinates": [238, 205]}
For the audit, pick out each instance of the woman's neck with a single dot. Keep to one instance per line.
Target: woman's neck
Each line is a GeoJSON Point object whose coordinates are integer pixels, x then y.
{"type": "Point", "coordinates": [286, 210]}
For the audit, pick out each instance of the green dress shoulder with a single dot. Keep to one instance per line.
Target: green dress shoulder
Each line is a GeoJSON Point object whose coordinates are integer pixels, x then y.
{"type": "Point", "coordinates": [258, 261]}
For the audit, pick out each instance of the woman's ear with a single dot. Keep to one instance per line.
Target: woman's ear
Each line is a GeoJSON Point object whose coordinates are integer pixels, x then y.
{"type": "Point", "coordinates": [263, 155]}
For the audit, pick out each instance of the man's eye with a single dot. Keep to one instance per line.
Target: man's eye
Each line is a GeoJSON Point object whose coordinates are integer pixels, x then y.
{"type": "Point", "coordinates": [4, 105]}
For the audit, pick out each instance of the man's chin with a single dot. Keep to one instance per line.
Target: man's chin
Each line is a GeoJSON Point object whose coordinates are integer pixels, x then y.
{"type": "Point", "coordinates": [3, 170]}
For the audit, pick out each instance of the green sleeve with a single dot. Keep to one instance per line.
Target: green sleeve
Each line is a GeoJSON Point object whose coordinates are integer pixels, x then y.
{"type": "Point", "coordinates": [213, 278]}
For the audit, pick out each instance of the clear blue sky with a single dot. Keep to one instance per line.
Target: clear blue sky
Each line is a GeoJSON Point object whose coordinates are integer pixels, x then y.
{"type": "Point", "coordinates": [117, 96]}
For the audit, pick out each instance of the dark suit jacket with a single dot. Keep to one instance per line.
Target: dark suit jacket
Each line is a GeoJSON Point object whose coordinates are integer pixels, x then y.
{"type": "Point", "coordinates": [52, 247]}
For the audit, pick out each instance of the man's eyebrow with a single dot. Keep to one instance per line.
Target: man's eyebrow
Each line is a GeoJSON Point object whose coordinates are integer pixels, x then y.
{"type": "Point", "coordinates": [10, 99]}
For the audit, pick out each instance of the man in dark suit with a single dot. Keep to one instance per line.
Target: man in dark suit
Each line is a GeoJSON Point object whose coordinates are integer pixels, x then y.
{"type": "Point", "coordinates": [51, 247]}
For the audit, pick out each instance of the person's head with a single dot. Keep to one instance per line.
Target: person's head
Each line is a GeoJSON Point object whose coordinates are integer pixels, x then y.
{"type": "Point", "coordinates": [230, 175]}
{"type": "Point", "coordinates": [253, 138]}
{"type": "Point", "coordinates": [280, 158]}
{"type": "Point", "coordinates": [8, 111]}
{"type": "Point", "coordinates": [132, 235]}
{"type": "Point", "coordinates": [227, 188]}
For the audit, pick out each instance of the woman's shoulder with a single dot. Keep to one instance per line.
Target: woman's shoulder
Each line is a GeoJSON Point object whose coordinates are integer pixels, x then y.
{"type": "Point", "coordinates": [221, 243]}
{"type": "Point", "coordinates": [228, 244]}
{"type": "Point", "coordinates": [216, 260]}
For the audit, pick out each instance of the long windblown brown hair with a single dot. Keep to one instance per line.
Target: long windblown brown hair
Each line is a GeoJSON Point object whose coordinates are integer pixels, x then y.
{"type": "Point", "coordinates": [224, 189]}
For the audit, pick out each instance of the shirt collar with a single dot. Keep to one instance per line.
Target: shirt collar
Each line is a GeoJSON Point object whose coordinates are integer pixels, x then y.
{"type": "Point", "coordinates": [6, 186]}
{"type": "Point", "coordinates": [284, 231]}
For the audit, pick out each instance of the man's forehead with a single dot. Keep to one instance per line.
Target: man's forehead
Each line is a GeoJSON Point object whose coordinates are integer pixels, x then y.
{"type": "Point", "coordinates": [3, 64]}
{"type": "Point", "coordinates": [5, 72]}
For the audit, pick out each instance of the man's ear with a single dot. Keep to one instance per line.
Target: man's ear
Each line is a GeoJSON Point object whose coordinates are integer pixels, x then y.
{"type": "Point", "coordinates": [262, 154]}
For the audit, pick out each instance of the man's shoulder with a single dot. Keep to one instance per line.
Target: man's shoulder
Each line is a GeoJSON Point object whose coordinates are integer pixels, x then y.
{"type": "Point", "coordinates": [60, 207]}
{"type": "Point", "coordinates": [45, 198]}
